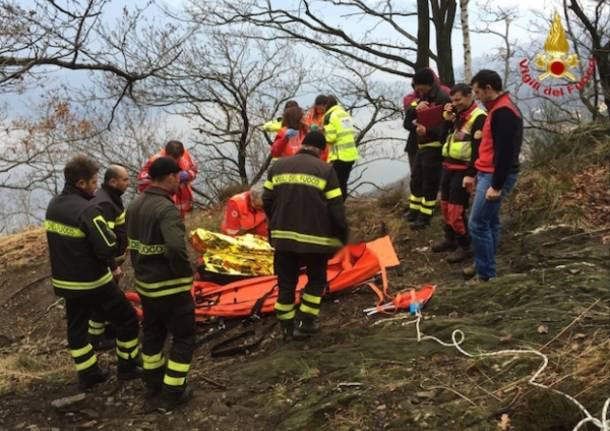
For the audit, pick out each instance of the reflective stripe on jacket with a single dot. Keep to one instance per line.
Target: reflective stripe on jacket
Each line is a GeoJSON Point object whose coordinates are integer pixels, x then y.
{"type": "Point", "coordinates": [111, 206]}
{"type": "Point", "coordinates": [80, 243]}
{"type": "Point", "coordinates": [157, 245]}
{"type": "Point", "coordinates": [340, 135]}
{"type": "Point", "coordinates": [458, 145]}
{"type": "Point", "coordinates": [303, 203]}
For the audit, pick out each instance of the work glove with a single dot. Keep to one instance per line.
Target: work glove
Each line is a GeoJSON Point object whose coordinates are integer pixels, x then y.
{"type": "Point", "coordinates": [184, 176]}
{"type": "Point", "coordinates": [291, 133]}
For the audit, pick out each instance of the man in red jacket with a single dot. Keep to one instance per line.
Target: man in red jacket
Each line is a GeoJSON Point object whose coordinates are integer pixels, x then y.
{"type": "Point", "coordinates": [244, 213]}
{"type": "Point", "coordinates": [188, 172]}
{"type": "Point", "coordinates": [497, 167]}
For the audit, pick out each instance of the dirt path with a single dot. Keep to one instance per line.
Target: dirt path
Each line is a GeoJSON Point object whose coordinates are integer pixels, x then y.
{"type": "Point", "coordinates": [356, 376]}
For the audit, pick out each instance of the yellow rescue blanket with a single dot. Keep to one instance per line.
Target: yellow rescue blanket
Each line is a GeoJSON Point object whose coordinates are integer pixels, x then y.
{"type": "Point", "coordinates": [248, 254]}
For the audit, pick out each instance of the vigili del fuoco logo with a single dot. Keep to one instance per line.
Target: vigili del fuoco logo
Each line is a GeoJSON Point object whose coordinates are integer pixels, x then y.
{"type": "Point", "coordinates": [556, 63]}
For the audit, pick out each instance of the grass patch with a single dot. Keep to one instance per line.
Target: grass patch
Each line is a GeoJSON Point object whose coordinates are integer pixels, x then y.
{"type": "Point", "coordinates": [18, 370]}
{"type": "Point", "coordinates": [564, 180]}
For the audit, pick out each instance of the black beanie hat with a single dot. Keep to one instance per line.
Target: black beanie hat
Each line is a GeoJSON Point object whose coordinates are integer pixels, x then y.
{"type": "Point", "coordinates": [163, 166]}
{"type": "Point", "coordinates": [315, 139]}
{"type": "Point", "coordinates": [423, 76]}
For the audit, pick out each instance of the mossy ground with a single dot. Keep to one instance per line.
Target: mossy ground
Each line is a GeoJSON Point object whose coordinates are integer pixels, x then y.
{"type": "Point", "coordinates": [552, 294]}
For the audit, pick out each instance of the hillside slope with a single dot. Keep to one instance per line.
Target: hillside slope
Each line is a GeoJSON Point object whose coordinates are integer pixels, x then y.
{"type": "Point", "coordinates": [552, 295]}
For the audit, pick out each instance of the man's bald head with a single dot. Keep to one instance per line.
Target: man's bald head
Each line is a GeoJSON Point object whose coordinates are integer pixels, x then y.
{"type": "Point", "coordinates": [117, 177]}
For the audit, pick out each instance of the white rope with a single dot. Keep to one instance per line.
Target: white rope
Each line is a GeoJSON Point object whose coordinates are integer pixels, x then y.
{"type": "Point", "coordinates": [394, 319]}
{"type": "Point", "coordinates": [457, 338]}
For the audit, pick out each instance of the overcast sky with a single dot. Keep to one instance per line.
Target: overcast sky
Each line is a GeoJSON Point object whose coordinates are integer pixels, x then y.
{"type": "Point", "coordinates": [482, 44]}
{"type": "Point", "coordinates": [383, 172]}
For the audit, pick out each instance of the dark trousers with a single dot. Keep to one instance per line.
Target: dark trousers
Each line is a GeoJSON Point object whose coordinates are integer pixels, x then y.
{"type": "Point", "coordinates": [454, 203]}
{"type": "Point", "coordinates": [425, 180]}
{"type": "Point", "coordinates": [287, 266]}
{"type": "Point", "coordinates": [98, 327]}
{"type": "Point", "coordinates": [111, 305]}
{"type": "Point", "coordinates": [411, 153]}
{"type": "Point", "coordinates": [168, 315]}
{"type": "Point", "coordinates": [343, 169]}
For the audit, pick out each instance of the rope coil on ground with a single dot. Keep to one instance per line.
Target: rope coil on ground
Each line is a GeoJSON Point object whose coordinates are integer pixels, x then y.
{"type": "Point", "coordinates": [458, 337]}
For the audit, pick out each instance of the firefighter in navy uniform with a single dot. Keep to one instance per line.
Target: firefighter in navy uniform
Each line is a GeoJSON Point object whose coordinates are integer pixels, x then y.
{"type": "Point", "coordinates": [427, 166]}
{"type": "Point", "coordinates": [108, 199]}
{"type": "Point", "coordinates": [304, 206]}
{"type": "Point", "coordinates": [460, 151]}
{"type": "Point", "coordinates": [164, 279]}
{"type": "Point", "coordinates": [80, 244]}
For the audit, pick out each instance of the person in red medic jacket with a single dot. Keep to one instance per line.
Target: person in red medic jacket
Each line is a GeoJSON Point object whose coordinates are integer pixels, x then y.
{"type": "Point", "coordinates": [244, 214]}
{"type": "Point", "coordinates": [497, 167]}
{"type": "Point", "coordinates": [314, 119]}
{"type": "Point", "coordinates": [288, 139]}
{"type": "Point", "coordinates": [294, 128]}
{"type": "Point", "coordinates": [183, 199]}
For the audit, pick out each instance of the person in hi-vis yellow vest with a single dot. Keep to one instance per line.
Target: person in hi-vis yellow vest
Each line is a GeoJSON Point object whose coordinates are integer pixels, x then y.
{"type": "Point", "coordinates": [340, 137]}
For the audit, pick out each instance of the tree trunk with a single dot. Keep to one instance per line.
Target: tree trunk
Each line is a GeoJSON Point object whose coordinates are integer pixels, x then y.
{"type": "Point", "coordinates": [443, 16]}
{"type": "Point", "coordinates": [466, 40]}
{"type": "Point", "coordinates": [603, 68]}
{"type": "Point", "coordinates": [242, 149]}
{"type": "Point", "coordinates": [423, 34]}
{"type": "Point", "coordinates": [602, 59]}
{"type": "Point", "coordinates": [600, 53]}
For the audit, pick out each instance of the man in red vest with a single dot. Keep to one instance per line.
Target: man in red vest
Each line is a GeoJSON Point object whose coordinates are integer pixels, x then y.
{"type": "Point", "coordinates": [183, 198]}
{"type": "Point", "coordinates": [244, 214]}
{"type": "Point", "coordinates": [497, 167]}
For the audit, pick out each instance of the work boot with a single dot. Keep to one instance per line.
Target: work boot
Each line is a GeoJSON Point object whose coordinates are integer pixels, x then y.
{"type": "Point", "coordinates": [129, 370]}
{"type": "Point", "coordinates": [460, 255]}
{"type": "Point", "coordinates": [101, 343]}
{"type": "Point", "coordinates": [152, 391]}
{"type": "Point", "coordinates": [287, 329]}
{"type": "Point", "coordinates": [172, 398]}
{"type": "Point", "coordinates": [306, 327]}
{"type": "Point", "coordinates": [444, 245]}
{"type": "Point", "coordinates": [477, 279]}
{"type": "Point", "coordinates": [412, 216]}
{"type": "Point", "coordinates": [469, 271]}
{"type": "Point", "coordinates": [92, 376]}
{"type": "Point", "coordinates": [153, 381]}
{"type": "Point", "coordinates": [422, 222]}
